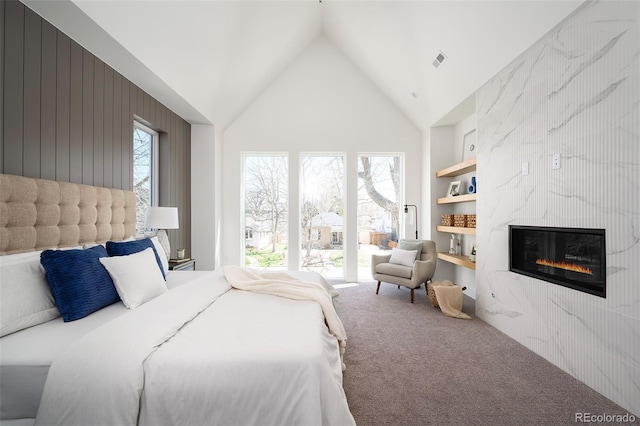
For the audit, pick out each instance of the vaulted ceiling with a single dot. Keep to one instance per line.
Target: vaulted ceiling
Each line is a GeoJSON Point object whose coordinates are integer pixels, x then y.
{"type": "Point", "coordinates": [209, 60]}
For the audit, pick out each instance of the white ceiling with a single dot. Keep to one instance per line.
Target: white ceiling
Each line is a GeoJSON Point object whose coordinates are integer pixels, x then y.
{"type": "Point", "coordinates": [208, 60]}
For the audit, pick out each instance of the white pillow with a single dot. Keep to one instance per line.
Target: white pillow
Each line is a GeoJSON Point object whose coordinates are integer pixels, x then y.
{"type": "Point", "coordinates": [403, 257]}
{"type": "Point", "coordinates": [90, 245]}
{"type": "Point", "coordinates": [161, 254]}
{"type": "Point", "coordinates": [136, 276]}
{"type": "Point", "coordinates": [26, 297]}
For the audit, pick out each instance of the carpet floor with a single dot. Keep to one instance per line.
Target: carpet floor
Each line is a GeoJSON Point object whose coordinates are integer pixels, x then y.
{"type": "Point", "coordinates": [411, 365]}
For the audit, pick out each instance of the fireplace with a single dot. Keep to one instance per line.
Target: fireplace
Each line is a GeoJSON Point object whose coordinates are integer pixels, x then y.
{"type": "Point", "coordinates": [571, 257]}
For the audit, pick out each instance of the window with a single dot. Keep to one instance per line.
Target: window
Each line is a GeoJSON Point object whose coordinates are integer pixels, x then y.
{"type": "Point", "coordinates": [321, 239]}
{"type": "Point", "coordinates": [322, 180]}
{"type": "Point", "coordinates": [145, 171]}
{"type": "Point", "coordinates": [336, 238]}
{"type": "Point", "coordinates": [379, 206]}
{"type": "Point", "coordinates": [266, 215]}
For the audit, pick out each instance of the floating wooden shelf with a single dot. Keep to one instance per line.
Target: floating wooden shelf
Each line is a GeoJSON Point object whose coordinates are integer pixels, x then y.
{"type": "Point", "coordinates": [458, 169]}
{"type": "Point", "coordinates": [458, 260]}
{"type": "Point", "coordinates": [457, 199]}
{"type": "Point", "coordinates": [456, 230]}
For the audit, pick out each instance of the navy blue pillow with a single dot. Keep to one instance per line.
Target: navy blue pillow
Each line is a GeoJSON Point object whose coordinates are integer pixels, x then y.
{"type": "Point", "coordinates": [79, 283]}
{"type": "Point", "coordinates": [129, 247]}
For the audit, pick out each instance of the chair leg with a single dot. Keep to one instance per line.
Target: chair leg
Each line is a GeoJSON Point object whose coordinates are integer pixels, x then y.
{"type": "Point", "coordinates": [411, 295]}
{"type": "Point", "coordinates": [378, 289]}
{"type": "Point", "coordinates": [398, 286]}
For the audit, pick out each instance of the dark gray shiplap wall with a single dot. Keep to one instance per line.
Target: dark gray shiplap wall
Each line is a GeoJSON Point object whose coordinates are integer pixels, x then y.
{"type": "Point", "coordinates": [66, 115]}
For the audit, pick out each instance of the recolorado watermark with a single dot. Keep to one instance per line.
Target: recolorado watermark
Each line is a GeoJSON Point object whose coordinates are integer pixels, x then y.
{"type": "Point", "coordinates": [604, 418]}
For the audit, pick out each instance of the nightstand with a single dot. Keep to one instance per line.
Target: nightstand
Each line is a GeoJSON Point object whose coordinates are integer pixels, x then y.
{"type": "Point", "coordinates": [182, 265]}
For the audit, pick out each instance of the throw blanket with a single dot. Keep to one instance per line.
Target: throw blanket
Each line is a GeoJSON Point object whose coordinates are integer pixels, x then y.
{"type": "Point", "coordinates": [284, 285]}
{"type": "Point", "coordinates": [449, 298]}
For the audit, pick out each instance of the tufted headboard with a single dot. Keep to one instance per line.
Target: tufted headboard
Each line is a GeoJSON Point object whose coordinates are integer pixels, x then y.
{"type": "Point", "coordinates": [36, 214]}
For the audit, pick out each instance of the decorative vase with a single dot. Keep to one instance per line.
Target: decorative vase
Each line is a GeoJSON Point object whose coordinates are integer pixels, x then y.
{"type": "Point", "coordinates": [452, 244]}
{"type": "Point", "coordinates": [472, 186]}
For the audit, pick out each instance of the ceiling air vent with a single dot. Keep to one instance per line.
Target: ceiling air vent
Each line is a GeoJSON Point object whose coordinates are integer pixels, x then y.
{"type": "Point", "coordinates": [439, 60]}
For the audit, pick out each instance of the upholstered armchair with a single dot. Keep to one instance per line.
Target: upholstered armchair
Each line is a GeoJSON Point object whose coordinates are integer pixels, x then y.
{"type": "Point", "coordinates": [420, 272]}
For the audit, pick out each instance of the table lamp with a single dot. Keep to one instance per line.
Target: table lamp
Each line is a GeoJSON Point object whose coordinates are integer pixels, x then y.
{"type": "Point", "coordinates": [162, 218]}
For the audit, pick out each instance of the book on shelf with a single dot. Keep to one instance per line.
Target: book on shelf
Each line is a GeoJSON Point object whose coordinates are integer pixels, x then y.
{"type": "Point", "coordinates": [186, 259]}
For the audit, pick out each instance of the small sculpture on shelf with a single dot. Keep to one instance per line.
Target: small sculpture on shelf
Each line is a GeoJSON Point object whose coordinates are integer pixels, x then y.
{"type": "Point", "coordinates": [472, 186]}
{"type": "Point", "coordinates": [472, 256]}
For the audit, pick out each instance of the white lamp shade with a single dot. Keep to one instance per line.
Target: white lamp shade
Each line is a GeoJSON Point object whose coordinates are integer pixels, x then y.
{"type": "Point", "coordinates": [409, 217]}
{"type": "Point", "coordinates": [161, 218]}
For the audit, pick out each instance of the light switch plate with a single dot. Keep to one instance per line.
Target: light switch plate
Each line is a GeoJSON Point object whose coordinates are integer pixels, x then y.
{"type": "Point", "coordinates": [556, 161]}
{"type": "Point", "coordinates": [525, 168]}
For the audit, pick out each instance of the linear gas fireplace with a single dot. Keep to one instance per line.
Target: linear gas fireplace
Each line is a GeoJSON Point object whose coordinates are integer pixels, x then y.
{"type": "Point", "coordinates": [571, 257]}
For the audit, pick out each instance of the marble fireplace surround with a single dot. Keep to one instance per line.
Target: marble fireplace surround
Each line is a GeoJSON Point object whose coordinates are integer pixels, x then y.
{"type": "Point", "coordinates": [575, 93]}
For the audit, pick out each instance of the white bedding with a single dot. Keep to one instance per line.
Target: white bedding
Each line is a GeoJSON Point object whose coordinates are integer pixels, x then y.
{"type": "Point", "coordinates": [235, 357]}
{"type": "Point", "coordinates": [25, 356]}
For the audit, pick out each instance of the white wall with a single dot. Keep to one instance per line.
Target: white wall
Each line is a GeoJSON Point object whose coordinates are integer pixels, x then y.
{"type": "Point", "coordinates": [204, 220]}
{"type": "Point", "coordinates": [321, 103]}
{"type": "Point", "coordinates": [575, 93]}
{"type": "Point", "coordinates": [439, 142]}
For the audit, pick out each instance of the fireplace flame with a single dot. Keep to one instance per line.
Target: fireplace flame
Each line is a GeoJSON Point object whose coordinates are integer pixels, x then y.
{"type": "Point", "coordinates": [565, 265]}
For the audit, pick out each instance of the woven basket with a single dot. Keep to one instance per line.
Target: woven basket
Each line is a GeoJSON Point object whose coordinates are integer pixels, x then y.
{"type": "Point", "coordinates": [447, 220]}
{"type": "Point", "coordinates": [431, 293]}
{"type": "Point", "coordinates": [471, 221]}
{"type": "Point", "coordinates": [460, 220]}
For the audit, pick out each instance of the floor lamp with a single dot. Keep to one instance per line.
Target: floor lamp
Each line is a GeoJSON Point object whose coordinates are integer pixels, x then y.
{"type": "Point", "coordinates": [410, 222]}
{"type": "Point", "coordinates": [162, 218]}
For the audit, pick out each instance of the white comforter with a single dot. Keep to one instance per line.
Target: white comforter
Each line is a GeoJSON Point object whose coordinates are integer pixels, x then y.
{"type": "Point", "coordinates": [202, 354]}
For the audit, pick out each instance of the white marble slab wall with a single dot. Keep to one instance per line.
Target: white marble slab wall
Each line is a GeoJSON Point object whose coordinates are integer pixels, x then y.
{"type": "Point", "coordinates": [576, 93]}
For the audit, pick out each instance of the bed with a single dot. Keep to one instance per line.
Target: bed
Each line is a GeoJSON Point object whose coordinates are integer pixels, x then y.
{"type": "Point", "coordinates": [201, 351]}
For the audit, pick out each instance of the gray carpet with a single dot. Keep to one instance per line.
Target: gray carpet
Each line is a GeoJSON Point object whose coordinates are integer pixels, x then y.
{"type": "Point", "coordinates": [411, 365]}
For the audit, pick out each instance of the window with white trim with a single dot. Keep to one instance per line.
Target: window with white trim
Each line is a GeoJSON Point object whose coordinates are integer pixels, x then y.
{"type": "Point", "coordinates": [145, 170]}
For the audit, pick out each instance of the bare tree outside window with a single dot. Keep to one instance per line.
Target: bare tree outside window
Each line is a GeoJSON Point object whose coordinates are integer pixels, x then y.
{"type": "Point", "coordinates": [266, 209]}
{"type": "Point", "coordinates": [321, 218]}
{"type": "Point", "coordinates": [380, 178]}
{"type": "Point", "coordinates": [143, 146]}
{"type": "Point", "coordinates": [379, 195]}
{"type": "Point", "coordinates": [322, 213]}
